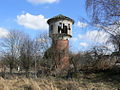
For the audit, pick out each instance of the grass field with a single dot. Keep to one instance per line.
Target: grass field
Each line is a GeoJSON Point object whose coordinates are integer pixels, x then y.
{"type": "Point", "coordinates": [92, 81]}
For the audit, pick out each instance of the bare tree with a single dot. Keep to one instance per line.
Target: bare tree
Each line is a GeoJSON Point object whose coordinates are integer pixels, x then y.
{"type": "Point", "coordinates": [10, 48]}
{"type": "Point", "coordinates": [74, 60]}
{"type": "Point", "coordinates": [2, 67]}
{"type": "Point", "coordinates": [36, 54]}
{"type": "Point", "coordinates": [99, 51]}
{"type": "Point", "coordinates": [104, 12]}
{"type": "Point", "coordinates": [94, 59]}
{"type": "Point", "coordinates": [115, 41]}
{"type": "Point", "coordinates": [105, 15]}
{"type": "Point", "coordinates": [32, 51]}
{"type": "Point", "coordinates": [101, 59]}
{"type": "Point", "coordinates": [26, 57]}
{"type": "Point", "coordinates": [82, 61]}
{"type": "Point", "coordinates": [40, 45]}
{"type": "Point", "coordinates": [44, 41]}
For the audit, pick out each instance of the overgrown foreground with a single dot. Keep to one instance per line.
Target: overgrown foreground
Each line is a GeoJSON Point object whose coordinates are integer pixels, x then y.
{"type": "Point", "coordinates": [98, 81]}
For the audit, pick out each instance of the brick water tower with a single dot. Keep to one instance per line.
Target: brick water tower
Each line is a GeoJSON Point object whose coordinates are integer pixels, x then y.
{"type": "Point", "coordinates": [60, 30]}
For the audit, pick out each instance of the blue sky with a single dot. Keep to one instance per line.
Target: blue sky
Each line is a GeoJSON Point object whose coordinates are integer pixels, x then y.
{"type": "Point", "coordinates": [30, 16]}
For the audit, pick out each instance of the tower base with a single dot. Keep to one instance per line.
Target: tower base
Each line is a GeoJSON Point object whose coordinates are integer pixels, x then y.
{"type": "Point", "coordinates": [58, 55]}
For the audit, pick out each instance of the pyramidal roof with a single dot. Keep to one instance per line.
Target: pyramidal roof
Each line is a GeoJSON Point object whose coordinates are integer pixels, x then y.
{"type": "Point", "coordinates": [60, 17]}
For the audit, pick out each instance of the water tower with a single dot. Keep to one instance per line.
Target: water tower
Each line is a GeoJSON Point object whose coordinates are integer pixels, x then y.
{"type": "Point", "coordinates": [60, 30]}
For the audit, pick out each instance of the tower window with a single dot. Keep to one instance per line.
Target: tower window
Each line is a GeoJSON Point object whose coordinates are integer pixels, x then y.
{"type": "Point", "coordinates": [60, 27]}
{"type": "Point", "coordinates": [64, 29]}
{"type": "Point", "coordinates": [69, 27]}
{"type": "Point", "coordinates": [51, 27]}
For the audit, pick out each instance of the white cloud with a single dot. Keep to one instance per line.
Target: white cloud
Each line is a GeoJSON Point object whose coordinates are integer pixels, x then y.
{"type": "Point", "coordinates": [3, 32]}
{"type": "Point", "coordinates": [84, 44]}
{"type": "Point", "coordinates": [42, 1]}
{"type": "Point", "coordinates": [36, 22]}
{"type": "Point", "coordinates": [81, 24]}
{"type": "Point", "coordinates": [95, 36]}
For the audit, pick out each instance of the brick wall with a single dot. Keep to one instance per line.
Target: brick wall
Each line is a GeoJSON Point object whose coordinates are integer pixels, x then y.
{"type": "Point", "coordinates": [62, 57]}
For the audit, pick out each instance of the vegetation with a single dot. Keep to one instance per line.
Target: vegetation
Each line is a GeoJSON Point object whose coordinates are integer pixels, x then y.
{"type": "Point", "coordinates": [98, 81]}
{"type": "Point", "coordinates": [24, 59]}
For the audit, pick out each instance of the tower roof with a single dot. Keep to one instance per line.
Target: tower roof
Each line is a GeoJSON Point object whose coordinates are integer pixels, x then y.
{"type": "Point", "coordinates": [60, 17]}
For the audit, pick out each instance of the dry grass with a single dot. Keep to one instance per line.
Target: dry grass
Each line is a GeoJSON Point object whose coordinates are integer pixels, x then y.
{"type": "Point", "coordinates": [51, 83]}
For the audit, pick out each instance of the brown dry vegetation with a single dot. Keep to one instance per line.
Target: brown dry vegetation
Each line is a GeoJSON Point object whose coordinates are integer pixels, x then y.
{"type": "Point", "coordinates": [83, 82]}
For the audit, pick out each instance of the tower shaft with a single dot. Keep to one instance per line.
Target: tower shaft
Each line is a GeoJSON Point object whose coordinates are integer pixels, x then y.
{"type": "Point", "coordinates": [61, 48]}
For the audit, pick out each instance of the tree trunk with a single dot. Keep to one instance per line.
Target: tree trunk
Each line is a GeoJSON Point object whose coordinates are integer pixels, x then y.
{"type": "Point", "coordinates": [74, 65]}
{"type": "Point", "coordinates": [27, 73]}
{"type": "Point", "coordinates": [11, 70]}
{"type": "Point", "coordinates": [119, 48]}
{"type": "Point", "coordinates": [3, 72]}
